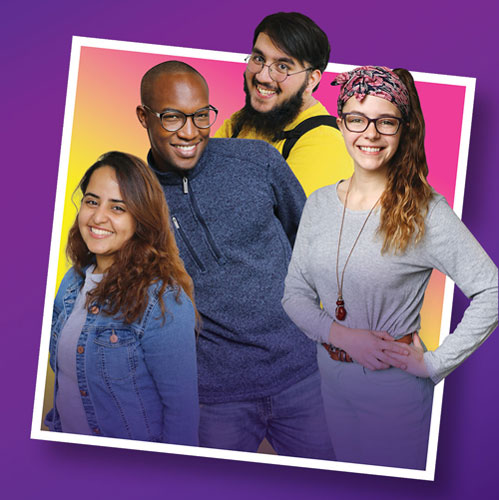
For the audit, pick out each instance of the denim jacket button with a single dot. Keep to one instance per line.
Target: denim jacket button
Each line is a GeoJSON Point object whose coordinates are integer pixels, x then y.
{"type": "Point", "coordinates": [83, 393]}
{"type": "Point", "coordinates": [113, 338]}
{"type": "Point", "coordinates": [80, 349]}
{"type": "Point", "coordinates": [96, 430]}
{"type": "Point", "coordinates": [95, 309]}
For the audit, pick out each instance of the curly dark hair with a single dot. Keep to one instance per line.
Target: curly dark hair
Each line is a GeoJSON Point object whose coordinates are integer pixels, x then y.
{"type": "Point", "coordinates": [150, 256]}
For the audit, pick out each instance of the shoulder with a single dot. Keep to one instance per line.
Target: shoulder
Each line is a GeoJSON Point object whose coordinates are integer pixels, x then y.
{"type": "Point", "coordinates": [439, 210]}
{"type": "Point", "coordinates": [70, 280]}
{"type": "Point", "coordinates": [322, 200]}
{"type": "Point", "coordinates": [443, 226]}
{"type": "Point", "coordinates": [323, 195]}
{"type": "Point", "coordinates": [247, 150]}
{"type": "Point", "coordinates": [241, 147]}
{"type": "Point", "coordinates": [225, 129]}
{"type": "Point", "coordinates": [176, 302]}
{"type": "Point", "coordinates": [169, 328]}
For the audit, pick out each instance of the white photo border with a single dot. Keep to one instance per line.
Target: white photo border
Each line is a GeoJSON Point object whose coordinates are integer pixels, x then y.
{"type": "Point", "coordinates": [37, 433]}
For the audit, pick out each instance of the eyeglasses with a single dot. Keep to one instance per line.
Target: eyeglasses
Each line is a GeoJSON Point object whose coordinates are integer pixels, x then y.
{"type": "Point", "coordinates": [173, 120]}
{"type": "Point", "coordinates": [385, 125]}
{"type": "Point", "coordinates": [278, 71]}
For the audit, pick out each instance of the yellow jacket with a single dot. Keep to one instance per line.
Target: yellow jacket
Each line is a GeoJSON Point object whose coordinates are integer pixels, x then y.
{"type": "Point", "coordinates": [318, 159]}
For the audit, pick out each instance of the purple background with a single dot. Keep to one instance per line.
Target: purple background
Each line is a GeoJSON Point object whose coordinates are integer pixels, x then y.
{"type": "Point", "coordinates": [434, 37]}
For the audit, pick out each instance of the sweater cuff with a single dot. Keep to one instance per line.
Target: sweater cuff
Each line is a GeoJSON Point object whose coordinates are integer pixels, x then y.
{"type": "Point", "coordinates": [428, 358]}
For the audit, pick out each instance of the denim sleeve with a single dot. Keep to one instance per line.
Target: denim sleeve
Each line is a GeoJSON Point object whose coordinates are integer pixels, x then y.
{"type": "Point", "coordinates": [58, 306]}
{"type": "Point", "coordinates": [170, 354]}
{"type": "Point", "coordinates": [289, 195]}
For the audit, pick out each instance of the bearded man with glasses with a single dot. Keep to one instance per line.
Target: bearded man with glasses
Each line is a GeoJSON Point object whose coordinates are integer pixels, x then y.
{"type": "Point", "coordinates": [235, 206]}
{"type": "Point", "coordinates": [290, 53]}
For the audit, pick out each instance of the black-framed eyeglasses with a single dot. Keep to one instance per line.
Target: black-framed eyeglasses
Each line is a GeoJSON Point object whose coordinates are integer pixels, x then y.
{"type": "Point", "coordinates": [278, 70]}
{"type": "Point", "coordinates": [173, 119]}
{"type": "Point", "coordinates": [385, 125]}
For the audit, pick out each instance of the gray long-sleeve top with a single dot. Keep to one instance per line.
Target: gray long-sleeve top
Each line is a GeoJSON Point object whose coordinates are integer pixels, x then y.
{"type": "Point", "coordinates": [384, 292]}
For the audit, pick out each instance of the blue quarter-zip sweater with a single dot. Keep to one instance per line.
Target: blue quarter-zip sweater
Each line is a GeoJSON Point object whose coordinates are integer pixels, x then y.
{"type": "Point", "coordinates": [235, 216]}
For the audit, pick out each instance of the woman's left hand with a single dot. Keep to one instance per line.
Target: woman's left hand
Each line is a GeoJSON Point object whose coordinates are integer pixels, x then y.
{"type": "Point", "coordinates": [413, 363]}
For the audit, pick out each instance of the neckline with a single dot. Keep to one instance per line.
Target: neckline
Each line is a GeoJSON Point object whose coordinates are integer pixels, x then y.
{"type": "Point", "coordinates": [89, 274]}
{"type": "Point", "coordinates": [349, 210]}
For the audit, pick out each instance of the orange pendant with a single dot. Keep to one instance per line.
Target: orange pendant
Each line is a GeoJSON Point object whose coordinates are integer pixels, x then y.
{"type": "Point", "coordinates": [340, 312]}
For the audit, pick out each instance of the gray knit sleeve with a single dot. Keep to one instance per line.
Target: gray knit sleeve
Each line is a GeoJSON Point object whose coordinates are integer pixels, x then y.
{"type": "Point", "coordinates": [452, 249]}
{"type": "Point", "coordinates": [301, 300]}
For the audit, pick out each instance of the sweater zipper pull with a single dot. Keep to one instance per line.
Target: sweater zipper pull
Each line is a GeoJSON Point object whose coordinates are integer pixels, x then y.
{"type": "Point", "coordinates": [185, 185]}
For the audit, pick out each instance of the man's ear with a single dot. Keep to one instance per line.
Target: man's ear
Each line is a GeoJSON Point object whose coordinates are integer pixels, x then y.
{"type": "Point", "coordinates": [314, 78]}
{"type": "Point", "coordinates": [141, 115]}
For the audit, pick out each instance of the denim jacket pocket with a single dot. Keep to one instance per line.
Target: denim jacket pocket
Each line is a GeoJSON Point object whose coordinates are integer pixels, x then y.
{"type": "Point", "coordinates": [116, 352]}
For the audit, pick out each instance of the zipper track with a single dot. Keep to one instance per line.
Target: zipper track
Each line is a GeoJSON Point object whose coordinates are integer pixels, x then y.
{"type": "Point", "coordinates": [213, 247]}
{"type": "Point", "coordinates": [188, 244]}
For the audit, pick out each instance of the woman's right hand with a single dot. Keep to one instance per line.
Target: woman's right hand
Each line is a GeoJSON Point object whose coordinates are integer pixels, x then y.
{"type": "Point", "coordinates": [369, 348]}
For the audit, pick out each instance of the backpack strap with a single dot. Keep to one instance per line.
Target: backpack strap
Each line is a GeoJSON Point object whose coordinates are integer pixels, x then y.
{"type": "Point", "coordinates": [292, 136]}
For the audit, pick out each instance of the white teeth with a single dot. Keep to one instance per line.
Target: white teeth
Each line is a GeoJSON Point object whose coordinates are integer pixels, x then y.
{"type": "Point", "coordinates": [100, 232]}
{"type": "Point", "coordinates": [264, 91]}
{"type": "Point", "coordinates": [185, 148]}
{"type": "Point", "coordinates": [369, 149]}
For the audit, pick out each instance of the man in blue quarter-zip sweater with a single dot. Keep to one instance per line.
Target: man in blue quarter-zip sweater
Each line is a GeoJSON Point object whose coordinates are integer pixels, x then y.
{"type": "Point", "coordinates": [235, 206]}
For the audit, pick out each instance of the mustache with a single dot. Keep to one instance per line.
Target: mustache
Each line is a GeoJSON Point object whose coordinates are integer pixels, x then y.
{"type": "Point", "coordinates": [268, 86]}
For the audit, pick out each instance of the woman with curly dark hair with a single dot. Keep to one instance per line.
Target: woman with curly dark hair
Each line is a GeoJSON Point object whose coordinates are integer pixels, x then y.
{"type": "Point", "coordinates": [362, 259]}
{"type": "Point", "coordinates": [123, 328]}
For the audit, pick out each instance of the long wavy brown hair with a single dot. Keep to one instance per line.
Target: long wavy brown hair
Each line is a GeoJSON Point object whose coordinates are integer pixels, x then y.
{"type": "Point", "coordinates": [150, 256]}
{"type": "Point", "coordinates": [404, 203]}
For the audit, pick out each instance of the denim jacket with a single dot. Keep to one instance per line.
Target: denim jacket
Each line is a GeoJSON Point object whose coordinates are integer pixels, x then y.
{"type": "Point", "coordinates": [139, 380]}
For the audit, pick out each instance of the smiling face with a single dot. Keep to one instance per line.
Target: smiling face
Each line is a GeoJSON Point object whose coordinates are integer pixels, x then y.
{"type": "Point", "coordinates": [266, 94]}
{"type": "Point", "coordinates": [104, 222]}
{"type": "Point", "coordinates": [180, 150]}
{"type": "Point", "coordinates": [370, 150]}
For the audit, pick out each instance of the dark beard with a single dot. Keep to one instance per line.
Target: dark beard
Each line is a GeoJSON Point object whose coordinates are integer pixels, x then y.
{"type": "Point", "coordinates": [272, 123]}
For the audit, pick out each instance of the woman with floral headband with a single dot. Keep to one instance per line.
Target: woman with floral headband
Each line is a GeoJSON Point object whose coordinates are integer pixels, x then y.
{"type": "Point", "coordinates": [123, 343]}
{"type": "Point", "coordinates": [362, 259]}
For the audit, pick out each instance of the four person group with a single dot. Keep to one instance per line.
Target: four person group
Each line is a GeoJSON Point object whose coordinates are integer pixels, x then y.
{"type": "Point", "coordinates": [169, 326]}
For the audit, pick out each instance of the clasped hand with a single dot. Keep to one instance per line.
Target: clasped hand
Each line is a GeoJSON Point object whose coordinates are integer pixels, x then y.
{"type": "Point", "coordinates": [378, 350]}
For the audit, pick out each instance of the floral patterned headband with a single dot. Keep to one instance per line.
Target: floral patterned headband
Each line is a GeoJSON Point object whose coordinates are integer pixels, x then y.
{"type": "Point", "coordinates": [377, 81]}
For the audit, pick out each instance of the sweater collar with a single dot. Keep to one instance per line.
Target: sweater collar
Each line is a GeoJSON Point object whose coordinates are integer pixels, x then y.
{"type": "Point", "coordinates": [175, 177]}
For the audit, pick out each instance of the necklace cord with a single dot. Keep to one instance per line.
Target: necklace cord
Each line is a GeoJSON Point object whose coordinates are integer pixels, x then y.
{"type": "Point", "coordinates": [339, 282]}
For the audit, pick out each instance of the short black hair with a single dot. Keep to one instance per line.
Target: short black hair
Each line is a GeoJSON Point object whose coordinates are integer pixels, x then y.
{"type": "Point", "coordinates": [150, 76]}
{"type": "Point", "coordinates": [298, 36]}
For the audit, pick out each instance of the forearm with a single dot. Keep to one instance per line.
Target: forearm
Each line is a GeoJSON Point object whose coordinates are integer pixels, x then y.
{"type": "Point", "coordinates": [479, 321]}
{"type": "Point", "coordinates": [307, 315]}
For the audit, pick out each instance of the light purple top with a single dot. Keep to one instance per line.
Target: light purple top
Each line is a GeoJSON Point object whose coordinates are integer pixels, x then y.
{"type": "Point", "coordinates": [68, 402]}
